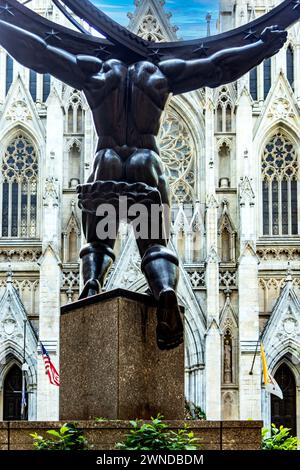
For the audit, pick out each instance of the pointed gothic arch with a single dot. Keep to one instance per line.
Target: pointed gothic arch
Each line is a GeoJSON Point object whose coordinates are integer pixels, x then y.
{"type": "Point", "coordinates": [19, 194]}
{"type": "Point", "coordinates": [226, 236]}
{"type": "Point", "coordinates": [283, 412]}
{"type": "Point", "coordinates": [280, 184]}
{"type": "Point", "coordinates": [74, 113]}
{"type": "Point", "coordinates": [224, 112]}
{"type": "Point", "coordinates": [71, 238]}
{"type": "Point", "coordinates": [12, 386]}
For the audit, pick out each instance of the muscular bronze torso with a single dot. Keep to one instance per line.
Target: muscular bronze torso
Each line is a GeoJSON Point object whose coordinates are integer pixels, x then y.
{"type": "Point", "coordinates": [127, 103]}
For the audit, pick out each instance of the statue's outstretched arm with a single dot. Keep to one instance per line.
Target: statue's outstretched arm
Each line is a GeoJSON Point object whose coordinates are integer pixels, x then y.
{"type": "Point", "coordinates": [224, 66]}
{"type": "Point", "coordinates": [33, 52]}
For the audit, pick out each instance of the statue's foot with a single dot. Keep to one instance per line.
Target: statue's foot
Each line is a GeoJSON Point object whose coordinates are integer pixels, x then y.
{"type": "Point", "coordinates": [92, 287]}
{"type": "Point", "coordinates": [169, 331]}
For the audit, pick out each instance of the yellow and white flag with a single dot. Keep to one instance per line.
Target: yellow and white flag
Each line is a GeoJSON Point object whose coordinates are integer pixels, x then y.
{"type": "Point", "coordinates": [270, 383]}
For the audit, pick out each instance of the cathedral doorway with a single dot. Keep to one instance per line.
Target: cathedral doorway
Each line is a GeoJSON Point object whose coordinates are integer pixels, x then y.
{"type": "Point", "coordinates": [12, 395]}
{"type": "Point", "coordinates": [283, 412]}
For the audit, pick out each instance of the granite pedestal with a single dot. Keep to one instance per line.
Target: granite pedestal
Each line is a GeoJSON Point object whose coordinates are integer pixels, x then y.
{"type": "Point", "coordinates": [110, 365]}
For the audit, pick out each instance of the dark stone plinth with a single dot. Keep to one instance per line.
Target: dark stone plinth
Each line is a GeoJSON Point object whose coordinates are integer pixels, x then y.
{"type": "Point", "coordinates": [110, 365]}
{"type": "Point", "coordinates": [213, 435]}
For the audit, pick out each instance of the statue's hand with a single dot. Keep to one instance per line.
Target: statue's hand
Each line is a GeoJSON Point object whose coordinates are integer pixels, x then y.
{"type": "Point", "coordinates": [273, 38]}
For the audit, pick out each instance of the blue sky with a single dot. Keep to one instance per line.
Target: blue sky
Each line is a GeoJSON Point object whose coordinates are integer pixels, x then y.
{"type": "Point", "coordinates": [189, 15]}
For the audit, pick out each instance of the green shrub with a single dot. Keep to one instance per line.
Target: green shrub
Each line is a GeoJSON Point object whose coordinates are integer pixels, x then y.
{"type": "Point", "coordinates": [157, 436]}
{"type": "Point", "coordinates": [278, 439]}
{"type": "Point", "coordinates": [68, 437]}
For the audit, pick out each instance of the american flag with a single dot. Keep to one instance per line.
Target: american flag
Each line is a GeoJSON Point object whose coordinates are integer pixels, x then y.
{"type": "Point", "coordinates": [50, 368]}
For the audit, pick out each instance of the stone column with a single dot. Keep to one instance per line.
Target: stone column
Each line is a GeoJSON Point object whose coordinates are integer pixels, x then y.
{"type": "Point", "coordinates": [213, 337]}
{"type": "Point", "coordinates": [249, 385]}
{"type": "Point", "coordinates": [50, 264]}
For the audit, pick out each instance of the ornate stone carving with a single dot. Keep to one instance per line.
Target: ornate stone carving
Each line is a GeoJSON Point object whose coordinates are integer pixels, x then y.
{"type": "Point", "coordinates": [20, 254]}
{"type": "Point", "coordinates": [211, 202]}
{"type": "Point", "coordinates": [281, 107]}
{"type": "Point", "coordinates": [70, 283]}
{"type": "Point", "coordinates": [132, 273]}
{"type": "Point", "coordinates": [212, 256]}
{"type": "Point", "coordinates": [280, 253]}
{"type": "Point", "coordinates": [51, 192]}
{"type": "Point", "coordinates": [246, 191]}
{"type": "Point", "coordinates": [279, 159]}
{"type": "Point", "coordinates": [19, 111]}
{"type": "Point", "coordinates": [197, 278]}
{"type": "Point", "coordinates": [150, 29]}
{"type": "Point", "coordinates": [177, 149]}
{"type": "Point", "coordinates": [70, 280]}
{"type": "Point", "coordinates": [289, 326]}
{"type": "Point", "coordinates": [227, 280]}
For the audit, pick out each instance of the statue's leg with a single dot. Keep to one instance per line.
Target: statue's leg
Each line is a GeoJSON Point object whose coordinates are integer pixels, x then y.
{"type": "Point", "coordinates": [97, 255]}
{"type": "Point", "coordinates": [160, 267]}
{"type": "Point", "coordinates": [159, 264]}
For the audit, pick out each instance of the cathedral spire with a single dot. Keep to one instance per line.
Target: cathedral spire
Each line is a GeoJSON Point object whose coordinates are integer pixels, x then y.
{"type": "Point", "coordinates": [208, 22]}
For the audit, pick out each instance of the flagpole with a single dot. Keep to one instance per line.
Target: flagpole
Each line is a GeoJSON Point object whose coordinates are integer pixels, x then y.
{"type": "Point", "coordinates": [255, 354]}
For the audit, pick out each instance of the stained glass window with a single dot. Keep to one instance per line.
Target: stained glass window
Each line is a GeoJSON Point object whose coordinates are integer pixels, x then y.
{"type": "Point", "coordinates": [46, 86]}
{"type": "Point", "coordinates": [290, 65]}
{"type": "Point", "coordinates": [19, 189]}
{"type": "Point", "coordinates": [9, 72]}
{"type": "Point", "coordinates": [280, 187]}
{"type": "Point", "coordinates": [253, 83]}
{"type": "Point", "coordinates": [267, 77]}
{"type": "Point", "coordinates": [32, 84]}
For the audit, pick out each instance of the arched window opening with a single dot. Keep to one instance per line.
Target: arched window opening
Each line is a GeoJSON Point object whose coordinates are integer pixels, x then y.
{"type": "Point", "coordinates": [19, 189]}
{"type": "Point", "coordinates": [225, 246]}
{"type": "Point", "coordinates": [224, 115]}
{"type": "Point", "coordinates": [75, 114]}
{"type": "Point", "coordinates": [224, 165]}
{"type": "Point", "coordinates": [70, 119]}
{"type": "Point", "coordinates": [267, 77]}
{"type": "Point", "coordinates": [228, 118]}
{"type": "Point", "coordinates": [46, 86]}
{"type": "Point", "coordinates": [219, 118]}
{"type": "Point", "coordinates": [79, 126]}
{"type": "Point", "coordinates": [9, 73]}
{"type": "Point", "coordinates": [74, 166]}
{"type": "Point", "coordinates": [290, 65]}
{"type": "Point", "coordinates": [181, 244]}
{"type": "Point", "coordinates": [283, 412]}
{"type": "Point", "coordinates": [253, 83]}
{"type": "Point", "coordinates": [196, 246]}
{"type": "Point", "coordinates": [73, 247]}
{"type": "Point", "coordinates": [280, 187]}
{"type": "Point", "coordinates": [12, 394]}
{"type": "Point", "coordinates": [32, 84]}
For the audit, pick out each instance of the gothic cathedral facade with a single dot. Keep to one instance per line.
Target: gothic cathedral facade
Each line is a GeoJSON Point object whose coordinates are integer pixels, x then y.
{"type": "Point", "coordinates": [232, 156]}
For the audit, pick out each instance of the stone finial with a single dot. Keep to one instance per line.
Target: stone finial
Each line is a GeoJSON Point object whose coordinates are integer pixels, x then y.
{"type": "Point", "coordinates": [289, 277]}
{"type": "Point", "coordinates": [208, 21]}
{"type": "Point", "coordinates": [9, 275]}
